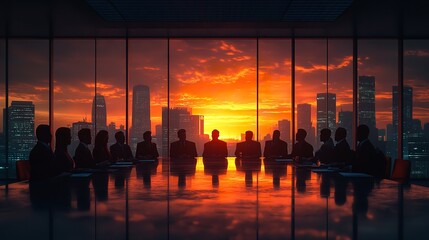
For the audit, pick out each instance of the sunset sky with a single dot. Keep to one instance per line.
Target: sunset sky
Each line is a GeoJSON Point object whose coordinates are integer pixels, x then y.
{"type": "Point", "coordinates": [214, 77]}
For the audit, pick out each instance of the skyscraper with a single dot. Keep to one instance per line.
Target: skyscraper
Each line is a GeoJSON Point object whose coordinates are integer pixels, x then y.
{"type": "Point", "coordinates": [326, 111]}
{"type": "Point", "coordinates": [140, 121]}
{"type": "Point", "coordinates": [99, 113]}
{"type": "Point", "coordinates": [21, 130]}
{"type": "Point", "coordinates": [284, 128]}
{"type": "Point", "coordinates": [366, 101]}
{"type": "Point", "coordinates": [304, 121]}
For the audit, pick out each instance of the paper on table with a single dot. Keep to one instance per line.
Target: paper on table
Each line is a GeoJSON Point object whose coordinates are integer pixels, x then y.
{"type": "Point", "coordinates": [324, 170]}
{"type": "Point", "coordinates": [348, 174]}
{"type": "Point", "coordinates": [81, 175]}
{"type": "Point", "coordinates": [123, 163]}
{"type": "Point", "coordinates": [284, 159]}
{"type": "Point", "coordinates": [146, 160]}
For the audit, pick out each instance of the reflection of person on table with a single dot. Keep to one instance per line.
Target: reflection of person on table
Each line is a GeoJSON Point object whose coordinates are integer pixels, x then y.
{"type": "Point", "coordinates": [147, 149]}
{"type": "Point", "coordinates": [183, 148]}
{"type": "Point", "coordinates": [248, 148]}
{"type": "Point", "coordinates": [275, 148]}
{"type": "Point", "coordinates": [215, 148]}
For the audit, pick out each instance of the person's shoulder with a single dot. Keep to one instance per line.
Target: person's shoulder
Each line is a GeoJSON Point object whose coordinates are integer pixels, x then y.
{"type": "Point", "coordinates": [268, 141]}
{"type": "Point", "coordinates": [190, 142]}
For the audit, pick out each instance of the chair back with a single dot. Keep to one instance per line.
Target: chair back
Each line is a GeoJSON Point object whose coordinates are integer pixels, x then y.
{"type": "Point", "coordinates": [23, 170]}
{"type": "Point", "coordinates": [401, 170]}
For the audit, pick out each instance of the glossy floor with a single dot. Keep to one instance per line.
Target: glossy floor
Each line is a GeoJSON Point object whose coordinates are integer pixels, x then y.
{"type": "Point", "coordinates": [206, 200]}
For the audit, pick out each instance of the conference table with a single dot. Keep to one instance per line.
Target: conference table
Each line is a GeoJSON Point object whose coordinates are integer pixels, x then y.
{"type": "Point", "coordinates": [213, 199]}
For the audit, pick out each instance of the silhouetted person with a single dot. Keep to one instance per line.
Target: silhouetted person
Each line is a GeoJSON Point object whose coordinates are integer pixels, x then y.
{"type": "Point", "coordinates": [302, 148]}
{"type": "Point", "coordinates": [147, 149]}
{"type": "Point", "coordinates": [248, 148]}
{"type": "Point", "coordinates": [215, 148]}
{"type": "Point", "coordinates": [326, 152]}
{"type": "Point", "coordinates": [41, 156]}
{"type": "Point", "coordinates": [183, 148]}
{"type": "Point", "coordinates": [63, 161]}
{"type": "Point", "coordinates": [120, 151]}
{"type": "Point", "coordinates": [367, 160]}
{"type": "Point", "coordinates": [275, 148]}
{"type": "Point", "coordinates": [101, 152]}
{"type": "Point", "coordinates": [343, 153]}
{"type": "Point", "coordinates": [83, 156]}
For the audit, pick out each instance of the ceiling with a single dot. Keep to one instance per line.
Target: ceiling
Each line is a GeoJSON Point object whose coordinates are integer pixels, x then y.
{"type": "Point", "coordinates": [214, 18]}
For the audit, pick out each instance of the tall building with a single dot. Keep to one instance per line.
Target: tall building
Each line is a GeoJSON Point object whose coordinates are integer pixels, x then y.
{"type": "Point", "coordinates": [140, 121]}
{"type": "Point", "coordinates": [366, 105]}
{"type": "Point", "coordinates": [181, 117]}
{"type": "Point", "coordinates": [304, 121]}
{"type": "Point", "coordinates": [345, 120]}
{"type": "Point", "coordinates": [326, 111]}
{"type": "Point", "coordinates": [21, 130]}
{"type": "Point", "coordinates": [284, 128]}
{"type": "Point", "coordinates": [99, 113]}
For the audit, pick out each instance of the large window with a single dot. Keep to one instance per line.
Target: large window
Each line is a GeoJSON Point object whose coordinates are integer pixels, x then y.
{"type": "Point", "coordinates": [415, 106]}
{"type": "Point", "coordinates": [232, 85]}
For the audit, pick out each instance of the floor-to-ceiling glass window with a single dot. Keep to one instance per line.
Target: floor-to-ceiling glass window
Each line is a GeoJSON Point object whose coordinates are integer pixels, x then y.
{"type": "Point", "coordinates": [2, 106]}
{"type": "Point", "coordinates": [274, 110]}
{"type": "Point", "coordinates": [312, 103]}
{"type": "Point", "coordinates": [73, 76]}
{"type": "Point", "coordinates": [28, 95]}
{"type": "Point", "coordinates": [377, 79]}
{"type": "Point", "coordinates": [147, 97]}
{"type": "Point", "coordinates": [213, 86]}
{"type": "Point", "coordinates": [415, 106]}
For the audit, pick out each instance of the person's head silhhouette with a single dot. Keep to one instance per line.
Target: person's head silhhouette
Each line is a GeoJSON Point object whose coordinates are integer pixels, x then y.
{"type": "Point", "coordinates": [43, 133]}
{"type": "Point", "coordinates": [62, 137]}
{"type": "Point", "coordinates": [325, 134]}
{"type": "Point", "coordinates": [276, 135]}
{"type": "Point", "coordinates": [102, 138]}
{"type": "Point", "coordinates": [215, 134]}
{"type": "Point", "coordinates": [85, 135]}
{"type": "Point", "coordinates": [340, 134]}
{"type": "Point", "coordinates": [147, 136]}
{"type": "Point", "coordinates": [120, 137]}
{"type": "Point", "coordinates": [300, 135]}
{"type": "Point", "coordinates": [362, 132]}
{"type": "Point", "coordinates": [181, 134]}
{"type": "Point", "coordinates": [249, 136]}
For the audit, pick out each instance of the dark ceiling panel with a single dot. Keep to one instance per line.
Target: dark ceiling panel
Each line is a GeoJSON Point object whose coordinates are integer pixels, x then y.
{"type": "Point", "coordinates": [315, 10]}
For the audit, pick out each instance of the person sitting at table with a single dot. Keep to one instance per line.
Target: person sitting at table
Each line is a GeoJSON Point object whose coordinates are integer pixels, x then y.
{"type": "Point", "coordinates": [63, 161]}
{"type": "Point", "coordinates": [302, 149]}
{"type": "Point", "coordinates": [326, 152]}
{"type": "Point", "coordinates": [275, 148]}
{"type": "Point", "coordinates": [147, 149]}
{"type": "Point", "coordinates": [182, 148]}
{"type": "Point", "coordinates": [41, 156]}
{"type": "Point", "coordinates": [101, 152]}
{"type": "Point", "coordinates": [342, 151]}
{"type": "Point", "coordinates": [367, 159]}
{"type": "Point", "coordinates": [120, 151]}
{"type": "Point", "coordinates": [248, 148]}
{"type": "Point", "coordinates": [83, 156]}
{"type": "Point", "coordinates": [215, 148]}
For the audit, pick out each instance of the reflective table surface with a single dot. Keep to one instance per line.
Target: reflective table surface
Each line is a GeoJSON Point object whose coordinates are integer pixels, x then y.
{"type": "Point", "coordinates": [213, 199]}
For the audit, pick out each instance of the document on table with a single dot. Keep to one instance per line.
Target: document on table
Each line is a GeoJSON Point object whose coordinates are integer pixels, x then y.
{"type": "Point", "coordinates": [80, 174]}
{"type": "Point", "coordinates": [349, 174]}
{"type": "Point", "coordinates": [284, 160]}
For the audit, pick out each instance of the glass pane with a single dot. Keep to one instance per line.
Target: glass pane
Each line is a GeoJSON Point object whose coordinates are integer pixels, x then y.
{"type": "Point", "coordinates": [73, 85]}
{"type": "Point", "coordinates": [340, 83]}
{"type": "Point", "coordinates": [213, 86]}
{"type": "Point", "coordinates": [28, 95]}
{"type": "Point", "coordinates": [377, 70]}
{"type": "Point", "coordinates": [415, 106]}
{"type": "Point", "coordinates": [2, 106]}
{"type": "Point", "coordinates": [147, 89]}
{"type": "Point", "coordinates": [109, 110]}
{"type": "Point", "coordinates": [310, 87]}
{"type": "Point", "coordinates": [275, 90]}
